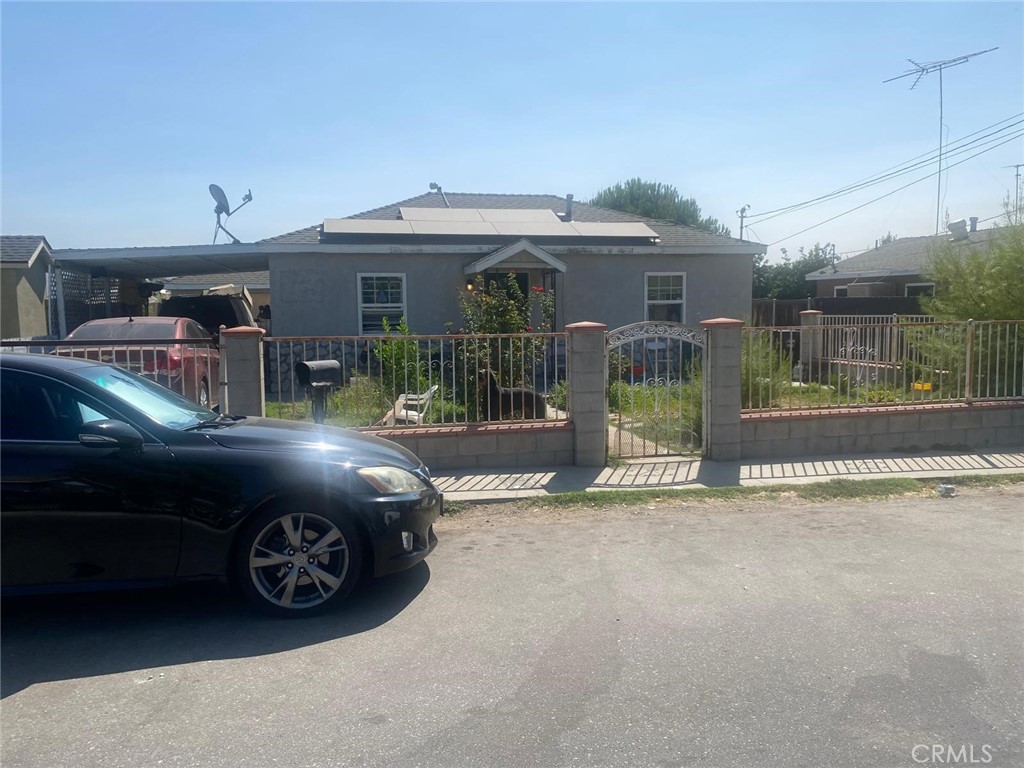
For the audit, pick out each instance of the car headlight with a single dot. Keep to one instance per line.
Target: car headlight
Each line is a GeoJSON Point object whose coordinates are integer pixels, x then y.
{"type": "Point", "coordinates": [391, 479]}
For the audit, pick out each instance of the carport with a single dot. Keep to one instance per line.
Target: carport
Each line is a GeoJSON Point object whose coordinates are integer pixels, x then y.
{"type": "Point", "coordinates": [84, 284]}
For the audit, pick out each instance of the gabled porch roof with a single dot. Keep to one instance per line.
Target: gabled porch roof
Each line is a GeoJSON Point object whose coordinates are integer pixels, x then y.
{"type": "Point", "coordinates": [521, 254]}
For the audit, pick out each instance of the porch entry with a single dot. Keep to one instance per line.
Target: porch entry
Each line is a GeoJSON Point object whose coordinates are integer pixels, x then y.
{"type": "Point", "coordinates": [655, 388]}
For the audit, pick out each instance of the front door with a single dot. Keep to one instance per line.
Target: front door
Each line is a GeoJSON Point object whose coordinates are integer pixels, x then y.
{"type": "Point", "coordinates": [73, 514]}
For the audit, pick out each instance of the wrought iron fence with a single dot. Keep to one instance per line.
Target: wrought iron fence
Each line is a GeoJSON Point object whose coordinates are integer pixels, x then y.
{"type": "Point", "coordinates": [891, 363]}
{"type": "Point", "coordinates": [411, 380]}
{"type": "Point", "coordinates": [189, 367]}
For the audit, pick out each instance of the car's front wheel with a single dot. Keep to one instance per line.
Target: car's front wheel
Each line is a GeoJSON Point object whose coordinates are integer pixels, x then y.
{"type": "Point", "coordinates": [295, 561]}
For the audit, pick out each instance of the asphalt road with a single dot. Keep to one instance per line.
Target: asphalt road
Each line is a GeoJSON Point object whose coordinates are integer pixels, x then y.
{"type": "Point", "coordinates": [726, 635]}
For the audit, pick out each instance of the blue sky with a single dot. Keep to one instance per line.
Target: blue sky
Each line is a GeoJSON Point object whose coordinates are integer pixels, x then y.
{"type": "Point", "coordinates": [116, 117]}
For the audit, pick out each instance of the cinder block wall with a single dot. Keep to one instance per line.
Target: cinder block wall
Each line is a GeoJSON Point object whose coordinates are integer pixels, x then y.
{"type": "Point", "coordinates": [877, 430]}
{"type": "Point", "coordinates": [498, 445]}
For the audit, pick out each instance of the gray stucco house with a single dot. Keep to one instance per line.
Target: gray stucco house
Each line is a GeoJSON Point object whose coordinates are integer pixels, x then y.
{"type": "Point", "coordinates": [340, 277]}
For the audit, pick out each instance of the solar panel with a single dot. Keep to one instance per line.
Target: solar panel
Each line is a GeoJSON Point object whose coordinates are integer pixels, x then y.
{"type": "Point", "coordinates": [440, 214]}
{"type": "Point", "coordinates": [534, 228]}
{"type": "Point", "coordinates": [452, 228]}
{"type": "Point", "coordinates": [518, 214]}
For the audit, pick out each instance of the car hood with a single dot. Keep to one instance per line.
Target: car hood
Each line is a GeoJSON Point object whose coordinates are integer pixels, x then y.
{"type": "Point", "coordinates": [296, 437]}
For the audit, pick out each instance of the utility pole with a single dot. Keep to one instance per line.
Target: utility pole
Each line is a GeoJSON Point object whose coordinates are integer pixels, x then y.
{"type": "Point", "coordinates": [920, 70]}
{"type": "Point", "coordinates": [742, 213]}
{"type": "Point", "coordinates": [1016, 192]}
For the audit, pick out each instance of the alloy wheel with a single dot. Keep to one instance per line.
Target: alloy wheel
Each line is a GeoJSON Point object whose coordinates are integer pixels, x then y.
{"type": "Point", "coordinates": [299, 561]}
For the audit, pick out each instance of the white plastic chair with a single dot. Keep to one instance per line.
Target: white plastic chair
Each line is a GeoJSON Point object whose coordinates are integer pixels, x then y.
{"type": "Point", "coordinates": [409, 408]}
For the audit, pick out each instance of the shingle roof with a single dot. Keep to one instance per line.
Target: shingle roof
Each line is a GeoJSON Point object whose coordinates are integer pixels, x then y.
{"type": "Point", "coordinates": [906, 255]}
{"type": "Point", "coordinates": [671, 234]}
{"type": "Point", "coordinates": [207, 281]}
{"type": "Point", "coordinates": [16, 249]}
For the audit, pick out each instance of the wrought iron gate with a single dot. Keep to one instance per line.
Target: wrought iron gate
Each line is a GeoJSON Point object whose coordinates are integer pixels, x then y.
{"type": "Point", "coordinates": [655, 388]}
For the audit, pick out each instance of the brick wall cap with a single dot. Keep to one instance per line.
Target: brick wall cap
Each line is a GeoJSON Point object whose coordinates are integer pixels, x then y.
{"type": "Point", "coordinates": [586, 327]}
{"type": "Point", "coordinates": [721, 322]}
{"type": "Point", "coordinates": [243, 330]}
{"type": "Point", "coordinates": [811, 312]}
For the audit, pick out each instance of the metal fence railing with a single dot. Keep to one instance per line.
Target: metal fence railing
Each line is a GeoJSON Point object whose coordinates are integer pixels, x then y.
{"type": "Point", "coordinates": [189, 367]}
{"type": "Point", "coordinates": [410, 381]}
{"type": "Point", "coordinates": [891, 363]}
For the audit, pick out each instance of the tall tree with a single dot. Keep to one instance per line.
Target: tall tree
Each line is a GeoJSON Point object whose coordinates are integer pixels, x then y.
{"type": "Point", "coordinates": [787, 279]}
{"type": "Point", "coordinates": [656, 201]}
{"type": "Point", "coordinates": [981, 285]}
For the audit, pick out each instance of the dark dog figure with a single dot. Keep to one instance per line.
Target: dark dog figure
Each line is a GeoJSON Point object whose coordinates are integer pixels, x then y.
{"type": "Point", "coordinates": [502, 402]}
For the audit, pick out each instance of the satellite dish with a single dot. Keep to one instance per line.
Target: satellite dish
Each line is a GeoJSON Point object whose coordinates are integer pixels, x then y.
{"type": "Point", "coordinates": [222, 200]}
{"type": "Point", "coordinates": [223, 208]}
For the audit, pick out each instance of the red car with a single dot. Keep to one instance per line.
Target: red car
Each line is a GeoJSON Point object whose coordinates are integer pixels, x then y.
{"type": "Point", "coordinates": [146, 345]}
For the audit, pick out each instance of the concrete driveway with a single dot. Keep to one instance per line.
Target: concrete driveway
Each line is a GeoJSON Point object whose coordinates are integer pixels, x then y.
{"type": "Point", "coordinates": [705, 635]}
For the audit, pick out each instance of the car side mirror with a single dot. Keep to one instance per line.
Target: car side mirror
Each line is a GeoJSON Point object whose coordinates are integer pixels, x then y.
{"type": "Point", "coordinates": [110, 433]}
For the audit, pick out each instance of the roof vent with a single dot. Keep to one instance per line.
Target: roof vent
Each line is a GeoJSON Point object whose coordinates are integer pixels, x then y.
{"type": "Point", "coordinates": [958, 228]}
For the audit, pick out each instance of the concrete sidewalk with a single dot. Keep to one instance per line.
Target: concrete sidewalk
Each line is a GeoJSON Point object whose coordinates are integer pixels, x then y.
{"type": "Point", "coordinates": [483, 485]}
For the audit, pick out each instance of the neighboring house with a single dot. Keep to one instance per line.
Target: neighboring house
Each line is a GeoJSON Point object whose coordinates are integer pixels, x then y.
{"type": "Point", "coordinates": [893, 275]}
{"type": "Point", "coordinates": [256, 283]}
{"type": "Point", "coordinates": [343, 276]}
{"type": "Point", "coordinates": [24, 263]}
{"type": "Point", "coordinates": [411, 258]}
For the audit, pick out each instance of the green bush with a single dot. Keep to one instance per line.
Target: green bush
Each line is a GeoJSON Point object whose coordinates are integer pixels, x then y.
{"type": "Point", "coordinates": [765, 372]}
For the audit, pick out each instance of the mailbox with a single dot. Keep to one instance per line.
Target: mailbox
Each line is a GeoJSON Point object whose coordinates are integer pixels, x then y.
{"type": "Point", "coordinates": [318, 376]}
{"type": "Point", "coordinates": [318, 373]}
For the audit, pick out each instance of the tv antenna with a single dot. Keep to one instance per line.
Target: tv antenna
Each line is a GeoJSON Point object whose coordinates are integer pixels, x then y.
{"type": "Point", "coordinates": [222, 207]}
{"type": "Point", "coordinates": [918, 72]}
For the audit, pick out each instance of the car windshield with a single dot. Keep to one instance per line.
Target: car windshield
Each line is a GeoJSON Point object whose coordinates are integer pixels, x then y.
{"type": "Point", "coordinates": [125, 330]}
{"type": "Point", "coordinates": [162, 405]}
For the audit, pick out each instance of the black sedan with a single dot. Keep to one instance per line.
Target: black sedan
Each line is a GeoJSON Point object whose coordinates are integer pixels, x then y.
{"type": "Point", "coordinates": [110, 480]}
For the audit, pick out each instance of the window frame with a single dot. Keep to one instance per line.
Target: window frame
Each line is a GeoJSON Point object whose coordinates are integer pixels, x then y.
{"type": "Point", "coordinates": [844, 288]}
{"type": "Point", "coordinates": [648, 302]}
{"type": "Point", "coordinates": [907, 286]}
{"type": "Point", "coordinates": [361, 306]}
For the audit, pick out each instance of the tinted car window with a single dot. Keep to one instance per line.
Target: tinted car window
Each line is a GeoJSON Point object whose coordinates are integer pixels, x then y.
{"type": "Point", "coordinates": [124, 330]}
{"type": "Point", "coordinates": [36, 408]}
{"type": "Point", "coordinates": [195, 331]}
{"type": "Point", "coordinates": [163, 406]}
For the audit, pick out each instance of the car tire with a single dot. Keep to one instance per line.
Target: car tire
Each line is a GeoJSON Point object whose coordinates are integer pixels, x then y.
{"type": "Point", "coordinates": [297, 559]}
{"type": "Point", "coordinates": [204, 394]}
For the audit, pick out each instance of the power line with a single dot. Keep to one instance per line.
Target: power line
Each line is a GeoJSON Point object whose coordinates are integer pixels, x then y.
{"type": "Point", "coordinates": [898, 189]}
{"type": "Point", "coordinates": [896, 171]}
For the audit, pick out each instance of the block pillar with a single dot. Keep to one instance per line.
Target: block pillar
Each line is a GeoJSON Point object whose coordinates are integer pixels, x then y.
{"type": "Point", "coordinates": [722, 439]}
{"type": "Point", "coordinates": [241, 371]}
{"type": "Point", "coordinates": [587, 392]}
{"type": "Point", "coordinates": [810, 344]}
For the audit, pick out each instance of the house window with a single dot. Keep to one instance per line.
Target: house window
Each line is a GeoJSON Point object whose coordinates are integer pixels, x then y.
{"type": "Point", "coordinates": [665, 296]}
{"type": "Point", "coordinates": [840, 292]}
{"type": "Point", "coordinates": [919, 289]}
{"type": "Point", "coordinates": [380, 296]}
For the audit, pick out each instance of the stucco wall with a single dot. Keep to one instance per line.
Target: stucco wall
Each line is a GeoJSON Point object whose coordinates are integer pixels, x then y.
{"type": "Point", "coordinates": [22, 311]}
{"type": "Point", "coordinates": [610, 289]}
{"type": "Point", "coordinates": [874, 430]}
{"type": "Point", "coordinates": [316, 294]}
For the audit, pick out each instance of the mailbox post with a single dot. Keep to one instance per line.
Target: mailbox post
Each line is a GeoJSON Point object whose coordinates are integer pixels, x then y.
{"type": "Point", "coordinates": [318, 377]}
